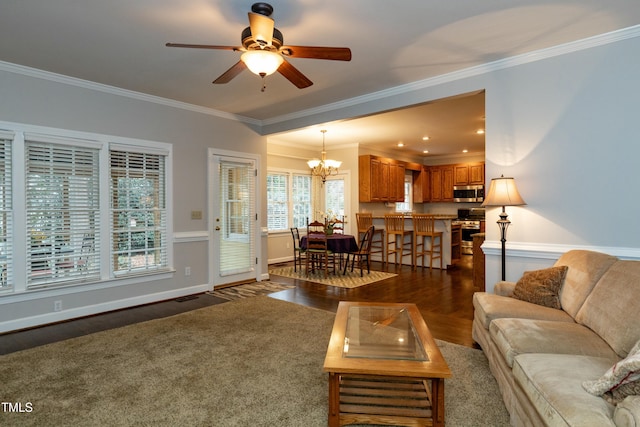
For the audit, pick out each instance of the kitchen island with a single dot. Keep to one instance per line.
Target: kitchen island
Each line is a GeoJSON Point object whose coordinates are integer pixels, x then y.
{"type": "Point", "coordinates": [451, 236]}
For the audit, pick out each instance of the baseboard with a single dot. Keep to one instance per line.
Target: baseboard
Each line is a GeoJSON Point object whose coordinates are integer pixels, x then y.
{"type": "Point", "coordinates": [74, 313]}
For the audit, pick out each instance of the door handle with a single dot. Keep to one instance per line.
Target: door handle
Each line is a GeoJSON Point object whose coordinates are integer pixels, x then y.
{"type": "Point", "coordinates": [217, 228]}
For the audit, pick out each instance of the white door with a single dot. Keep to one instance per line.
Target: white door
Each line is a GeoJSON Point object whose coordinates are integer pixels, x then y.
{"type": "Point", "coordinates": [233, 220]}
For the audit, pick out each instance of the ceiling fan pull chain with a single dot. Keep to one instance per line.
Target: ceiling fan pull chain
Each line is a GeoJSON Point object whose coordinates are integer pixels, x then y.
{"type": "Point", "coordinates": [264, 84]}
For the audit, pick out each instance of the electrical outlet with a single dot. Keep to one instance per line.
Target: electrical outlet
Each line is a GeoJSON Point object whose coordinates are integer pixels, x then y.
{"type": "Point", "coordinates": [187, 271]}
{"type": "Point", "coordinates": [196, 214]}
{"type": "Point", "coordinates": [57, 305]}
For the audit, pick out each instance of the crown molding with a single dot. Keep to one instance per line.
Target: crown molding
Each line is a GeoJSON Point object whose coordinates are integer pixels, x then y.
{"type": "Point", "coordinates": [525, 58]}
{"type": "Point", "coordinates": [86, 84]}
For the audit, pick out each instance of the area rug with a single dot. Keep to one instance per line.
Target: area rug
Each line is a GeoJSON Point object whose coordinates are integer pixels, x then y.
{"type": "Point", "coordinates": [349, 280]}
{"type": "Point", "coordinates": [250, 362]}
{"type": "Point", "coordinates": [250, 290]}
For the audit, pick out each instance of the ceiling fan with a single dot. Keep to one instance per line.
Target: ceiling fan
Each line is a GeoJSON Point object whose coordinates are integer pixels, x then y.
{"type": "Point", "coordinates": [265, 52]}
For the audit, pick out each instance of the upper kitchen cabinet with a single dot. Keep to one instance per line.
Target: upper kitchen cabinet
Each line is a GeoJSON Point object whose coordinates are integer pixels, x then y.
{"type": "Point", "coordinates": [469, 174]}
{"type": "Point", "coordinates": [381, 179]}
{"type": "Point", "coordinates": [442, 183]}
{"type": "Point", "coordinates": [421, 184]}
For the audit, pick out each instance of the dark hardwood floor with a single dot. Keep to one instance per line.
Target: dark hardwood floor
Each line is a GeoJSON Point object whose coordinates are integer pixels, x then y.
{"type": "Point", "coordinates": [444, 298]}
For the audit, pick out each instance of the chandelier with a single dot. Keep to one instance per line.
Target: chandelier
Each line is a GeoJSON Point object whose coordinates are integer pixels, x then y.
{"type": "Point", "coordinates": [323, 167]}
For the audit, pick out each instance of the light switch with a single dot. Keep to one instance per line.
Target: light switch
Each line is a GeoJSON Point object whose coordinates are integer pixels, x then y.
{"type": "Point", "coordinates": [196, 214]}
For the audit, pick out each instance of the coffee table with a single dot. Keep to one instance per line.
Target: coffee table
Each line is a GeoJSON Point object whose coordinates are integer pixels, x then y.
{"type": "Point", "coordinates": [384, 367]}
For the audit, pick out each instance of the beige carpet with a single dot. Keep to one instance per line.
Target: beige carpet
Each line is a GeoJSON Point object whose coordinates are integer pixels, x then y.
{"type": "Point", "coordinates": [251, 362]}
{"type": "Point", "coordinates": [349, 280]}
{"type": "Point", "coordinates": [250, 290]}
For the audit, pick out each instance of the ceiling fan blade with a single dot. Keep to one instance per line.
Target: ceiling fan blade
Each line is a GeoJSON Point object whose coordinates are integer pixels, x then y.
{"type": "Point", "coordinates": [317, 52]}
{"type": "Point", "coordinates": [294, 75]}
{"type": "Point", "coordinates": [261, 28]}
{"type": "Point", "coordinates": [204, 46]}
{"type": "Point", "coordinates": [230, 73]}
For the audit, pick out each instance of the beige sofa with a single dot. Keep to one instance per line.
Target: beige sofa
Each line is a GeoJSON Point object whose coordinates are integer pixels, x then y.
{"type": "Point", "coordinates": [541, 356]}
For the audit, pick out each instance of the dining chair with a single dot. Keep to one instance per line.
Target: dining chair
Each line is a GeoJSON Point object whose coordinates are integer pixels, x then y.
{"type": "Point", "coordinates": [362, 254]}
{"type": "Point", "coordinates": [318, 254]}
{"type": "Point", "coordinates": [364, 220]}
{"type": "Point", "coordinates": [424, 231]}
{"type": "Point", "coordinates": [315, 226]}
{"type": "Point", "coordinates": [399, 240]}
{"type": "Point", "coordinates": [298, 253]}
{"type": "Point", "coordinates": [338, 225]}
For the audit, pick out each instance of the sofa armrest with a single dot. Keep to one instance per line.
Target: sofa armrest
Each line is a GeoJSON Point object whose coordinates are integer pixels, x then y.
{"type": "Point", "coordinates": [627, 412]}
{"type": "Point", "coordinates": [504, 289]}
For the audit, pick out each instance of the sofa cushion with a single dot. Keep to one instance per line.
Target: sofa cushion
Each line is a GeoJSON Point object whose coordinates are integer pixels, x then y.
{"type": "Point", "coordinates": [585, 269]}
{"type": "Point", "coordinates": [521, 336]}
{"type": "Point", "coordinates": [627, 413]}
{"type": "Point", "coordinates": [489, 307]}
{"type": "Point", "coordinates": [553, 384]}
{"type": "Point", "coordinates": [611, 309]}
{"type": "Point", "coordinates": [541, 287]}
{"type": "Point", "coordinates": [620, 381]}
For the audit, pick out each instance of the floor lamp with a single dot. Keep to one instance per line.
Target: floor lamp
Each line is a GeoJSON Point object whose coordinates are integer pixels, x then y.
{"type": "Point", "coordinates": [503, 192]}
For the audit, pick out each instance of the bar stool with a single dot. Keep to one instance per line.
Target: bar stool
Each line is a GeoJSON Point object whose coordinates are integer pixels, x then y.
{"type": "Point", "coordinates": [396, 234]}
{"type": "Point", "coordinates": [364, 221]}
{"type": "Point", "coordinates": [424, 229]}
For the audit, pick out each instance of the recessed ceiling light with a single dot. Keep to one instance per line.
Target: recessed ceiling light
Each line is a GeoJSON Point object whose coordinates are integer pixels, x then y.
{"type": "Point", "coordinates": [425, 138]}
{"type": "Point", "coordinates": [400, 144]}
{"type": "Point", "coordinates": [426, 151]}
{"type": "Point", "coordinates": [480, 131]}
{"type": "Point", "coordinates": [465, 151]}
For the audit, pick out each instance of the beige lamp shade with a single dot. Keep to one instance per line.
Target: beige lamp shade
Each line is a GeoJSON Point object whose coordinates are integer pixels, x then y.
{"type": "Point", "coordinates": [503, 192]}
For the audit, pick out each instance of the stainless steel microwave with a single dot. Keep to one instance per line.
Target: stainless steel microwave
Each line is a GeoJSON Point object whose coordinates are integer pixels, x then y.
{"type": "Point", "coordinates": [468, 193]}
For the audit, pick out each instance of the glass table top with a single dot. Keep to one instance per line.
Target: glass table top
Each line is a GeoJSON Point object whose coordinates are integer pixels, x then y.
{"type": "Point", "coordinates": [381, 333]}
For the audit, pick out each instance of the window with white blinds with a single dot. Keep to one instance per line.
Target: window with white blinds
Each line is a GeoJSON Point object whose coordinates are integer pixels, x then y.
{"type": "Point", "coordinates": [288, 200]}
{"type": "Point", "coordinates": [6, 214]}
{"type": "Point", "coordinates": [62, 194]}
{"type": "Point", "coordinates": [301, 195]}
{"type": "Point", "coordinates": [277, 201]}
{"type": "Point", "coordinates": [138, 211]}
{"type": "Point", "coordinates": [238, 217]}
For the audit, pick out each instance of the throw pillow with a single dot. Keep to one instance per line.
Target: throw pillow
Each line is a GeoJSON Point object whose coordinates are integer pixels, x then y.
{"type": "Point", "coordinates": [620, 381]}
{"type": "Point", "coordinates": [541, 287]}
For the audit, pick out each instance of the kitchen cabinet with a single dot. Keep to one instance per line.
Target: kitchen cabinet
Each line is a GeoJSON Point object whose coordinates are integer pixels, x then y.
{"type": "Point", "coordinates": [469, 174]}
{"type": "Point", "coordinates": [441, 183]}
{"type": "Point", "coordinates": [456, 243]}
{"type": "Point", "coordinates": [478, 262]}
{"type": "Point", "coordinates": [422, 185]}
{"type": "Point", "coordinates": [396, 182]}
{"type": "Point", "coordinates": [381, 179]}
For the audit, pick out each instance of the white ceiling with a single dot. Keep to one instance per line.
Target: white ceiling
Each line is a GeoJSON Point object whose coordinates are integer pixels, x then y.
{"type": "Point", "coordinates": [121, 43]}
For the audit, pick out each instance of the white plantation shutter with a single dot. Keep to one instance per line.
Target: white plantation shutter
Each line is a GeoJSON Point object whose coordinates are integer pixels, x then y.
{"type": "Point", "coordinates": [6, 213]}
{"type": "Point", "coordinates": [62, 211]}
{"type": "Point", "coordinates": [138, 210]}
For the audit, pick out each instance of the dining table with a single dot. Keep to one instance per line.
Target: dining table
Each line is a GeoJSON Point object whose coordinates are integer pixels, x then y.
{"type": "Point", "coordinates": [336, 243]}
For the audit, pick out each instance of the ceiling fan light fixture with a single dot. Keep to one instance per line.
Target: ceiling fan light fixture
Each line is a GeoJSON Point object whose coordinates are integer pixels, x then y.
{"type": "Point", "coordinates": [262, 62]}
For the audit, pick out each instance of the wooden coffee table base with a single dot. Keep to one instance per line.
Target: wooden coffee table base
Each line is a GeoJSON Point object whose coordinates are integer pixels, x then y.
{"type": "Point", "coordinates": [369, 399]}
